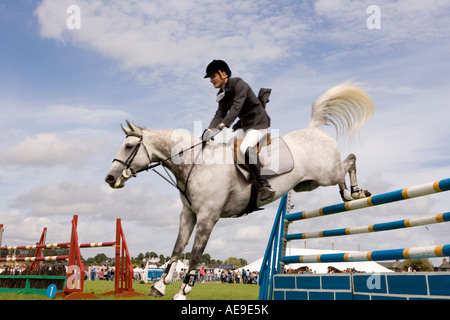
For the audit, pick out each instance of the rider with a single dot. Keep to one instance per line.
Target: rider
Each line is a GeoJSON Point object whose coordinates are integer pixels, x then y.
{"type": "Point", "coordinates": [236, 99]}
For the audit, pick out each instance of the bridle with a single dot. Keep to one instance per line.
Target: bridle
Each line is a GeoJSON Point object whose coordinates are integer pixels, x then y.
{"type": "Point", "coordinates": [129, 172]}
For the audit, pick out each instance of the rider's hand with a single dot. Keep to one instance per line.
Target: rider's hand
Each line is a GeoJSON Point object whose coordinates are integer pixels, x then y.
{"type": "Point", "coordinates": [209, 134]}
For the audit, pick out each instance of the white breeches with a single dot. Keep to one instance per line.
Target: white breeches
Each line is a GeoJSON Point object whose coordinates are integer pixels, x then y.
{"type": "Point", "coordinates": [250, 138]}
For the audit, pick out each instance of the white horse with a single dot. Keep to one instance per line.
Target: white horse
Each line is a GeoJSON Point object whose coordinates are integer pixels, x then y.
{"type": "Point", "coordinates": [212, 189]}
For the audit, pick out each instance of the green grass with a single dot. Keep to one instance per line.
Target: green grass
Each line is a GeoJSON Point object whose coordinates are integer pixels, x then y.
{"type": "Point", "coordinates": [201, 291]}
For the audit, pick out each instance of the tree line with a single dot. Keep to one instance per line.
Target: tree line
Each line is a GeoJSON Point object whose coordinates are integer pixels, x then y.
{"type": "Point", "coordinates": [103, 259]}
{"type": "Point", "coordinates": [206, 259]}
{"type": "Point", "coordinates": [141, 258]}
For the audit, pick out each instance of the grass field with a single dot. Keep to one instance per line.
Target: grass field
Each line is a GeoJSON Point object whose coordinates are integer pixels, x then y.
{"type": "Point", "coordinates": [201, 291]}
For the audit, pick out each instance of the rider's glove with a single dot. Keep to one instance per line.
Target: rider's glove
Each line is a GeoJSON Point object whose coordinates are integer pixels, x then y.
{"type": "Point", "coordinates": [209, 134]}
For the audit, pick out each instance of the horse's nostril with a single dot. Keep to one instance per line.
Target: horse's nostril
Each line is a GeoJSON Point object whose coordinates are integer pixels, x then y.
{"type": "Point", "coordinates": [110, 179]}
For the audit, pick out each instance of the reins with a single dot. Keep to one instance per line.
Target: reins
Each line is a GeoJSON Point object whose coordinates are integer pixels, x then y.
{"type": "Point", "coordinates": [180, 154]}
{"type": "Point", "coordinates": [130, 172]}
{"type": "Point", "coordinates": [171, 181]}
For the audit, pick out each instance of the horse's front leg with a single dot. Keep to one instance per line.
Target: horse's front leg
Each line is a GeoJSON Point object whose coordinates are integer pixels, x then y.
{"type": "Point", "coordinates": [187, 223]}
{"type": "Point", "coordinates": [205, 225]}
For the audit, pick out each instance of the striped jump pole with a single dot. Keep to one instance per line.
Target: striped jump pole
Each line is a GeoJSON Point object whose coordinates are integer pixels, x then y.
{"type": "Point", "coordinates": [399, 224]}
{"type": "Point", "coordinates": [33, 259]}
{"type": "Point", "coordinates": [402, 194]}
{"type": "Point", "coordinates": [39, 253]}
{"type": "Point", "coordinates": [378, 255]}
{"type": "Point", "coordinates": [75, 268]}
{"type": "Point", "coordinates": [60, 246]}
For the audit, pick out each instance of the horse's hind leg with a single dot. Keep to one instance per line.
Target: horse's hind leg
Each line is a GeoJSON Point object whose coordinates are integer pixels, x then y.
{"type": "Point", "coordinates": [187, 223]}
{"type": "Point", "coordinates": [356, 192]}
{"type": "Point", "coordinates": [349, 165]}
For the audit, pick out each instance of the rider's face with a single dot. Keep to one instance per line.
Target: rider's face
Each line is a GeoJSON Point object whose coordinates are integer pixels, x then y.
{"type": "Point", "coordinates": [217, 80]}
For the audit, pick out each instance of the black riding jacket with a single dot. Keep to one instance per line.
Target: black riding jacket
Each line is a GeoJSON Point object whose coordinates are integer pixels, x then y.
{"type": "Point", "coordinates": [240, 101]}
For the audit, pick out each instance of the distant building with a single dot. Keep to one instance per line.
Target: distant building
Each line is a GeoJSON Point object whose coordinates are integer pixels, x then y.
{"type": "Point", "coordinates": [445, 266]}
{"type": "Point", "coordinates": [396, 266]}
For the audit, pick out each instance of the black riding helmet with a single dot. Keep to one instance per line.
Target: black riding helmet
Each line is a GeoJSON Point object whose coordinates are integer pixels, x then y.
{"type": "Point", "coordinates": [217, 65]}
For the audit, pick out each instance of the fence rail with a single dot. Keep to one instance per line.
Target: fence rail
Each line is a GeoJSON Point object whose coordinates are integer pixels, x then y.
{"type": "Point", "coordinates": [275, 258]}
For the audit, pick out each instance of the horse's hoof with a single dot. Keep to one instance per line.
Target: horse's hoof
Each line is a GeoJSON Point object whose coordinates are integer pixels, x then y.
{"type": "Point", "coordinates": [179, 297]}
{"type": "Point", "coordinates": [361, 194]}
{"type": "Point", "coordinates": [155, 292]}
{"type": "Point", "coordinates": [367, 193]}
{"type": "Point", "coordinates": [345, 195]}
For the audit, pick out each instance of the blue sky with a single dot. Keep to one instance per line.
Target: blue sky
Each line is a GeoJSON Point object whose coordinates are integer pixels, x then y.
{"type": "Point", "coordinates": [64, 93]}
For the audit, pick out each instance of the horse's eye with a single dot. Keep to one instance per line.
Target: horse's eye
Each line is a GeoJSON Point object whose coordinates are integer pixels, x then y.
{"type": "Point", "coordinates": [129, 145]}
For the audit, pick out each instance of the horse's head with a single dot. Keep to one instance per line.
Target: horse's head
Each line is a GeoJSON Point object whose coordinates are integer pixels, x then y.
{"type": "Point", "coordinates": [132, 158]}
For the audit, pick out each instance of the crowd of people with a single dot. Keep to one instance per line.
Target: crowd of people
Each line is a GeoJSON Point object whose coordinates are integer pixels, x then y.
{"type": "Point", "coordinates": [204, 275]}
{"type": "Point", "coordinates": [101, 273]}
{"type": "Point", "coordinates": [238, 276]}
{"type": "Point", "coordinates": [224, 276]}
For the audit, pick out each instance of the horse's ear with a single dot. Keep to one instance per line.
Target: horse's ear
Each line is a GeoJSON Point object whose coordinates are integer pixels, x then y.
{"type": "Point", "coordinates": [126, 130]}
{"type": "Point", "coordinates": [136, 130]}
{"type": "Point", "coordinates": [129, 125]}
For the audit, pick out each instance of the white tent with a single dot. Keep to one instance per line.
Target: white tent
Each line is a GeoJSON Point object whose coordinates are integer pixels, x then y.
{"type": "Point", "coordinates": [180, 266]}
{"type": "Point", "coordinates": [365, 266]}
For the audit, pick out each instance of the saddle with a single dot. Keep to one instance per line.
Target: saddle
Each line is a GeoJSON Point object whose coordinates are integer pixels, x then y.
{"type": "Point", "coordinates": [276, 159]}
{"type": "Point", "coordinates": [274, 154]}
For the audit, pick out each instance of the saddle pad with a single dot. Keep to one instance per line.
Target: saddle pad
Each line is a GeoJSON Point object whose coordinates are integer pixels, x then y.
{"type": "Point", "coordinates": [276, 159]}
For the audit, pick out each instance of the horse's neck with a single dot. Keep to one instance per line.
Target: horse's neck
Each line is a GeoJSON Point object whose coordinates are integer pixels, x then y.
{"type": "Point", "coordinates": [159, 143]}
{"type": "Point", "coordinates": [165, 144]}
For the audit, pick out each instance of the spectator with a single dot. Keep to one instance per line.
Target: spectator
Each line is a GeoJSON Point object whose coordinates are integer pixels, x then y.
{"type": "Point", "coordinates": [93, 273]}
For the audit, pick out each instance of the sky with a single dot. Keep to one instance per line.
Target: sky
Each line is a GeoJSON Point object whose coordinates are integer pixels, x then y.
{"type": "Point", "coordinates": [72, 71]}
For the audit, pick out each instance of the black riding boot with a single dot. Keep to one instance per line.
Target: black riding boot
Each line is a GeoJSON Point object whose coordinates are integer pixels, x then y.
{"type": "Point", "coordinates": [252, 160]}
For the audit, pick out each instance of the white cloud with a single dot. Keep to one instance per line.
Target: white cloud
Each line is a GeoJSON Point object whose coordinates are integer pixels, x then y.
{"type": "Point", "coordinates": [136, 203]}
{"type": "Point", "coordinates": [23, 230]}
{"type": "Point", "coordinates": [404, 144]}
{"type": "Point", "coordinates": [48, 149]}
{"type": "Point", "coordinates": [176, 37]}
{"type": "Point", "coordinates": [250, 233]}
{"type": "Point", "coordinates": [166, 42]}
{"type": "Point", "coordinates": [84, 115]}
{"type": "Point", "coordinates": [404, 20]}
{"type": "Point", "coordinates": [396, 90]}
{"type": "Point", "coordinates": [63, 114]}
{"type": "Point", "coordinates": [342, 24]}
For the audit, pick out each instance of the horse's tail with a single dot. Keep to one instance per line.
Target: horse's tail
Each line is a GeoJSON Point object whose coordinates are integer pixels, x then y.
{"type": "Point", "coordinates": [345, 107]}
